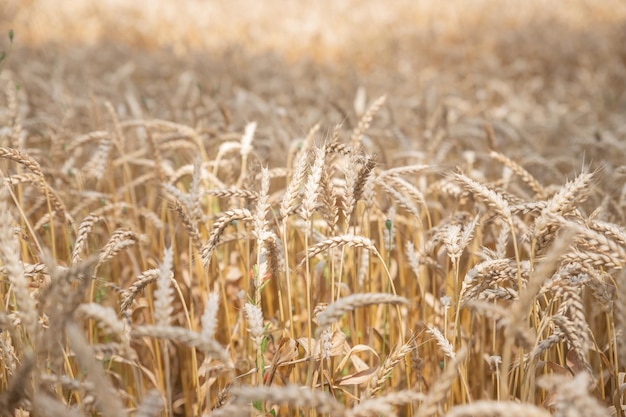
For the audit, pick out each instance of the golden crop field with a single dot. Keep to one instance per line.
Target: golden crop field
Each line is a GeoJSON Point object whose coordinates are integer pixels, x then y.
{"type": "Point", "coordinates": [312, 208]}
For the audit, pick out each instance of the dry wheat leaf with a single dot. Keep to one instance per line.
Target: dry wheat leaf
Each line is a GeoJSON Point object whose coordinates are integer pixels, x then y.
{"type": "Point", "coordinates": [363, 372]}
{"type": "Point", "coordinates": [338, 345]}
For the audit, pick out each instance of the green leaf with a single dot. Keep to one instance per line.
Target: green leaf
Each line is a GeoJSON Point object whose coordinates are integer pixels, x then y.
{"type": "Point", "coordinates": [258, 405]}
{"type": "Point", "coordinates": [263, 285]}
{"type": "Point", "coordinates": [11, 35]}
{"type": "Point", "coordinates": [99, 295]}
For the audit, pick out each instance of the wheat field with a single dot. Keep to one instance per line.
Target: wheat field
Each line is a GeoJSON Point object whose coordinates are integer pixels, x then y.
{"type": "Point", "coordinates": [318, 208]}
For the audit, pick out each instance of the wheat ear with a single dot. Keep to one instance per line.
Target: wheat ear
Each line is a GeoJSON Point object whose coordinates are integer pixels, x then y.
{"type": "Point", "coordinates": [218, 229]}
{"type": "Point", "coordinates": [337, 309]}
{"type": "Point", "coordinates": [382, 406]}
{"type": "Point", "coordinates": [34, 167]}
{"type": "Point", "coordinates": [526, 176]}
{"type": "Point", "coordinates": [10, 256]}
{"type": "Point", "coordinates": [107, 402]}
{"type": "Point", "coordinates": [291, 395]}
{"type": "Point", "coordinates": [497, 409]}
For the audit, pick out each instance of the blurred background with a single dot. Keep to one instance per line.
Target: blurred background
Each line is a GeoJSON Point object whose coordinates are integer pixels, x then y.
{"type": "Point", "coordinates": [371, 30]}
{"type": "Point", "coordinates": [550, 69]}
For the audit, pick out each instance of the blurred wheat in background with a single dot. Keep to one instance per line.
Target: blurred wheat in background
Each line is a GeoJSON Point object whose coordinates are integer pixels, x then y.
{"type": "Point", "coordinates": [340, 208]}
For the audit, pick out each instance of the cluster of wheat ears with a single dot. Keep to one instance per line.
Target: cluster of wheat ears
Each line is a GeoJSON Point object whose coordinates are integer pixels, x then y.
{"type": "Point", "coordinates": [154, 267]}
